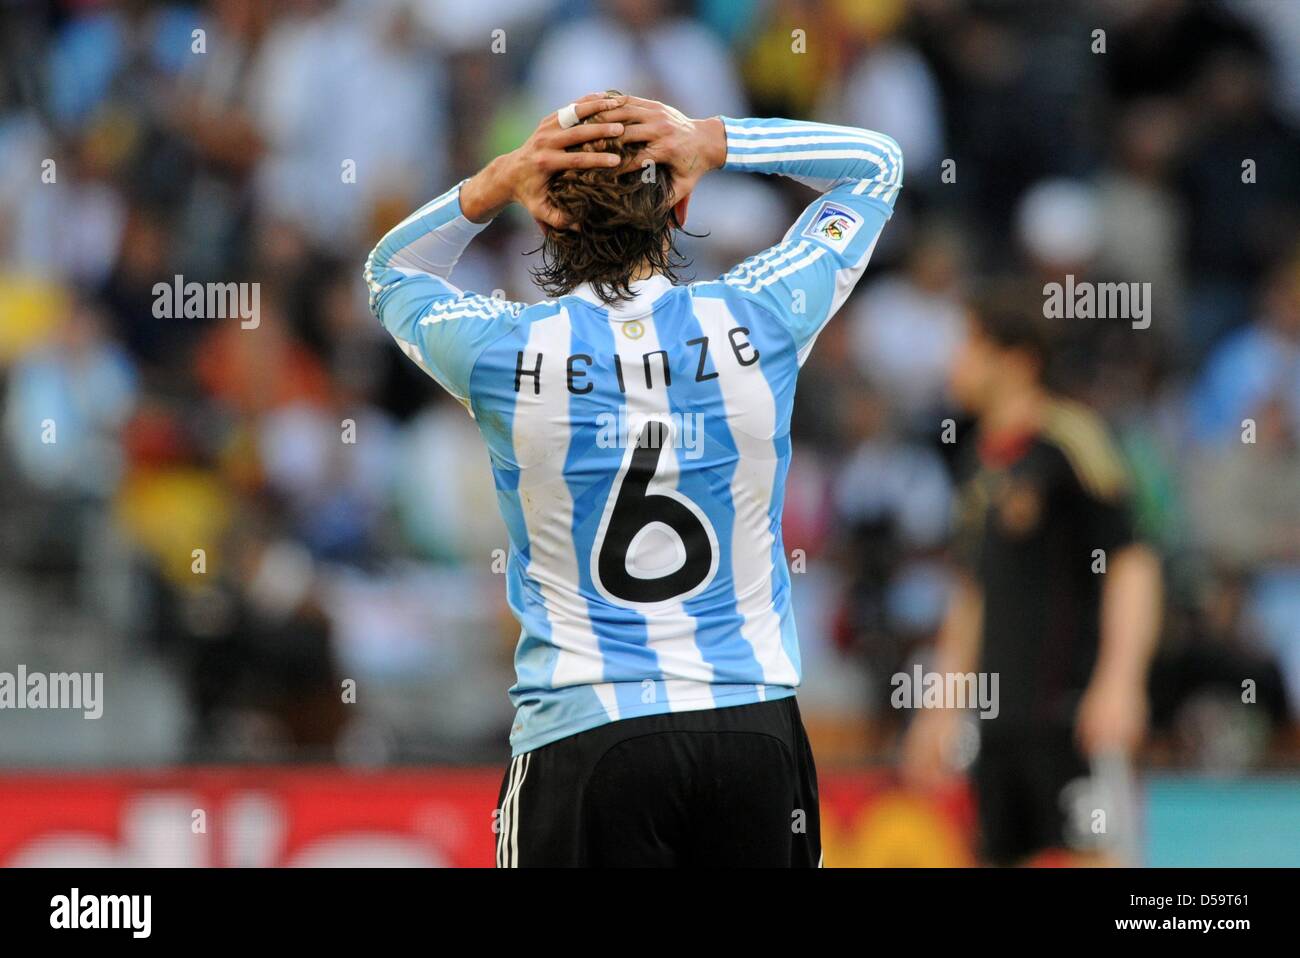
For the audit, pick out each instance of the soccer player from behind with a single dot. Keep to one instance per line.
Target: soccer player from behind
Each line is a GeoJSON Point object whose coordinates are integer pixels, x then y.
{"type": "Point", "coordinates": [639, 434]}
{"type": "Point", "coordinates": [1056, 596]}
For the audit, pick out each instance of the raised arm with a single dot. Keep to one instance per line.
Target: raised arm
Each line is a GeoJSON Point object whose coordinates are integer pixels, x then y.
{"type": "Point", "coordinates": [806, 277]}
{"type": "Point", "coordinates": [844, 159]}
{"type": "Point", "coordinates": [819, 155]}
{"type": "Point", "coordinates": [438, 325]}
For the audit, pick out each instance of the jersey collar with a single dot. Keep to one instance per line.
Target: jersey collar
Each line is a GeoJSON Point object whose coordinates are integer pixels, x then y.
{"type": "Point", "coordinates": [646, 291]}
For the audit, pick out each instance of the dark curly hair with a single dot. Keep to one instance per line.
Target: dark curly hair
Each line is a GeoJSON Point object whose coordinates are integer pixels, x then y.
{"type": "Point", "coordinates": [624, 219]}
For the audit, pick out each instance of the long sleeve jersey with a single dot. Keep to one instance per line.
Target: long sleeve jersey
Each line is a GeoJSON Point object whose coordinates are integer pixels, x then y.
{"type": "Point", "coordinates": [640, 449]}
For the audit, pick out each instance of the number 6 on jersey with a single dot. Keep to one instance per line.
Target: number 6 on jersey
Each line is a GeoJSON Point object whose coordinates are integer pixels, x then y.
{"type": "Point", "coordinates": [652, 548]}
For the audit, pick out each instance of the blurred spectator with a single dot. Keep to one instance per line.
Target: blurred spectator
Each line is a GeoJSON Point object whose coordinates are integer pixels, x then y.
{"type": "Point", "coordinates": [894, 88]}
{"type": "Point", "coordinates": [318, 81]}
{"type": "Point", "coordinates": [636, 45]}
{"type": "Point", "coordinates": [67, 403]}
{"type": "Point", "coordinates": [1142, 218]}
{"type": "Point", "coordinates": [1258, 365]}
{"type": "Point", "coordinates": [892, 500]}
{"type": "Point", "coordinates": [1279, 25]}
{"type": "Point", "coordinates": [71, 227]}
{"type": "Point", "coordinates": [1243, 201]}
{"type": "Point", "coordinates": [443, 491]}
{"type": "Point", "coordinates": [906, 327]}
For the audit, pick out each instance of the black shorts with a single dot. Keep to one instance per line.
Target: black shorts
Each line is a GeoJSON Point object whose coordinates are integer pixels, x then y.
{"type": "Point", "coordinates": [1028, 785]}
{"type": "Point", "coordinates": [719, 787]}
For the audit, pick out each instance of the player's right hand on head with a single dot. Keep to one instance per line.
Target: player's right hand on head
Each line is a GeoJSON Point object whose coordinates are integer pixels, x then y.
{"type": "Point", "coordinates": [546, 152]}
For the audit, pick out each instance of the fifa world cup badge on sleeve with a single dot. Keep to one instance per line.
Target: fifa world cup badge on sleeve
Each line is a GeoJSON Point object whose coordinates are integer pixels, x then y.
{"type": "Point", "coordinates": [833, 224]}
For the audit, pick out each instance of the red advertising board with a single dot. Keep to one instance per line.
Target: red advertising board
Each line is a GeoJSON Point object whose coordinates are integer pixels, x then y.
{"type": "Point", "coordinates": [326, 817]}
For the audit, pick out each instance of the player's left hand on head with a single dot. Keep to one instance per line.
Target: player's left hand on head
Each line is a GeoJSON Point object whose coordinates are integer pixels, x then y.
{"type": "Point", "coordinates": [689, 147]}
{"type": "Point", "coordinates": [546, 152]}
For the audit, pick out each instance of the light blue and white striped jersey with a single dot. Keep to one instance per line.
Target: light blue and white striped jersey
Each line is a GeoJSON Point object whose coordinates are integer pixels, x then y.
{"type": "Point", "coordinates": [640, 450]}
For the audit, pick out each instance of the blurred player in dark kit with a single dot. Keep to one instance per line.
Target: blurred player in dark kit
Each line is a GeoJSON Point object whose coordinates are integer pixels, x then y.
{"type": "Point", "coordinates": [1055, 594]}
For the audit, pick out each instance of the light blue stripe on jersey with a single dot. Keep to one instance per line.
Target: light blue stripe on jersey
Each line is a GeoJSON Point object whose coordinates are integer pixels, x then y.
{"type": "Point", "coordinates": [532, 669]}
{"type": "Point", "coordinates": [780, 570]}
{"type": "Point", "coordinates": [718, 619]}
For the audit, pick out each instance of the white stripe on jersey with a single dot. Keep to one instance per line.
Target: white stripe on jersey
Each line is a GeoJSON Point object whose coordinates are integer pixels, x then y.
{"type": "Point", "coordinates": [548, 515]}
{"type": "Point", "coordinates": [756, 265]}
{"type": "Point", "coordinates": [469, 312]}
{"type": "Point", "coordinates": [889, 181]}
{"type": "Point", "coordinates": [749, 271]}
{"type": "Point", "coordinates": [761, 130]}
{"type": "Point", "coordinates": [670, 630]}
{"type": "Point", "coordinates": [771, 275]}
{"type": "Point", "coordinates": [488, 307]}
{"type": "Point", "coordinates": [757, 158]}
{"type": "Point", "coordinates": [752, 486]}
{"type": "Point", "coordinates": [747, 137]}
{"type": "Point", "coordinates": [782, 140]}
{"type": "Point", "coordinates": [740, 129]}
{"type": "Point", "coordinates": [887, 159]}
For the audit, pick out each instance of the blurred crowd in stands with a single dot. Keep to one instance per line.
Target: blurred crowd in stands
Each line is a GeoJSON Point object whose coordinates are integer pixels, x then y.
{"type": "Point", "coordinates": [232, 522]}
